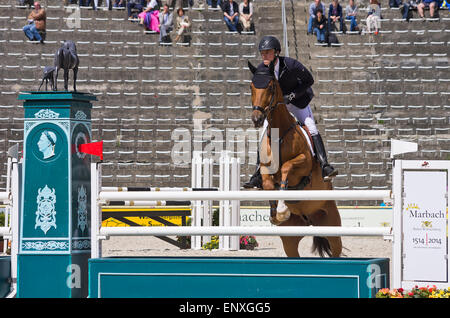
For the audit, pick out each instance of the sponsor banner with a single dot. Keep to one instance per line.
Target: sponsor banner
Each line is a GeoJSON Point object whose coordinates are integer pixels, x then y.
{"type": "Point", "coordinates": [141, 221]}
{"type": "Point", "coordinates": [350, 216]}
{"type": "Point", "coordinates": [425, 226]}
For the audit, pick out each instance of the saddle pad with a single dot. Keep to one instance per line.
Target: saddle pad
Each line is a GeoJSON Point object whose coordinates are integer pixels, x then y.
{"type": "Point", "coordinates": [308, 138]}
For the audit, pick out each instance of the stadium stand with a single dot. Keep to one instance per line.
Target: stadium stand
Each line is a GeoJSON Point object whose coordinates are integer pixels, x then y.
{"type": "Point", "coordinates": [369, 88]}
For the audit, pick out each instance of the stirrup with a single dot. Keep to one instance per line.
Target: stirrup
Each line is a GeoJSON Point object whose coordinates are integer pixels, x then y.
{"type": "Point", "coordinates": [254, 182]}
{"type": "Point", "coordinates": [330, 176]}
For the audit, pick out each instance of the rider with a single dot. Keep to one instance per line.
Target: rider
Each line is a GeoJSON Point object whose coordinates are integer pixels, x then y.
{"type": "Point", "coordinates": [295, 81]}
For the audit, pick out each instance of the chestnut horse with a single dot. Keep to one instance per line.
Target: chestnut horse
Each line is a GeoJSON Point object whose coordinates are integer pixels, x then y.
{"type": "Point", "coordinates": [296, 169]}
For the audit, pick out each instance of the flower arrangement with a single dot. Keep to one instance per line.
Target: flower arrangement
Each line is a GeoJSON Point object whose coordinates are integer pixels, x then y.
{"type": "Point", "coordinates": [248, 242]}
{"type": "Point", "coordinates": [416, 292]}
{"type": "Point", "coordinates": [213, 244]}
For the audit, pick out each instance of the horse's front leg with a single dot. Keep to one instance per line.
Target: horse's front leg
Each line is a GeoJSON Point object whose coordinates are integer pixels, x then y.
{"type": "Point", "coordinates": [66, 80]}
{"type": "Point", "coordinates": [287, 169]}
{"type": "Point", "coordinates": [55, 86]}
{"type": "Point", "coordinates": [268, 184]}
{"type": "Point", "coordinates": [75, 72]}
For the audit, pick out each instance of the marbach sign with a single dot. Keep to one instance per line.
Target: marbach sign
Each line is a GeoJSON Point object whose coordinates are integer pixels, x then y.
{"type": "Point", "coordinates": [424, 226]}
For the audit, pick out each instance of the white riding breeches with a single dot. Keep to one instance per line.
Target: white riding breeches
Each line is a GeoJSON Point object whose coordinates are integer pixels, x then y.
{"type": "Point", "coordinates": [304, 116]}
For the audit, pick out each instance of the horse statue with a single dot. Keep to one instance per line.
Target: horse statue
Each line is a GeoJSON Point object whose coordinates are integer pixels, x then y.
{"type": "Point", "coordinates": [48, 76]}
{"type": "Point", "coordinates": [66, 58]}
{"type": "Point", "coordinates": [296, 167]}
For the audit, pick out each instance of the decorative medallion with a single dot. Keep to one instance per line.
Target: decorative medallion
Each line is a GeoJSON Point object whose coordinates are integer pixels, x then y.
{"type": "Point", "coordinates": [79, 140]}
{"type": "Point", "coordinates": [82, 208]}
{"type": "Point", "coordinates": [46, 143]}
{"type": "Point", "coordinates": [46, 114]}
{"type": "Point", "coordinates": [80, 115]}
{"type": "Point", "coordinates": [45, 214]}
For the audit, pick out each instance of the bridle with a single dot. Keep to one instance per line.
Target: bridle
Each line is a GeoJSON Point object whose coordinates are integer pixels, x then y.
{"type": "Point", "coordinates": [272, 104]}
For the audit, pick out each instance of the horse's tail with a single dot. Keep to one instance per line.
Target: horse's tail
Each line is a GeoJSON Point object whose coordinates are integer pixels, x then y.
{"type": "Point", "coordinates": [322, 246]}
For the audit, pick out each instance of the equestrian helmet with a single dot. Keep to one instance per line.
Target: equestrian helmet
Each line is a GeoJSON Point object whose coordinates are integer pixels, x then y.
{"type": "Point", "coordinates": [269, 42]}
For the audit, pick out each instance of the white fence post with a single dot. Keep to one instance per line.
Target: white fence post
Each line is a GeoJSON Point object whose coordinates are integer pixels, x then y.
{"type": "Point", "coordinates": [226, 204]}
{"type": "Point", "coordinates": [197, 209]}
{"type": "Point", "coordinates": [235, 204]}
{"type": "Point", "coordinates": [16, 196]}
{"type": "Point", "coordinates": [207, 205]}
{"type": "Point", "coordinates": [96, 210]}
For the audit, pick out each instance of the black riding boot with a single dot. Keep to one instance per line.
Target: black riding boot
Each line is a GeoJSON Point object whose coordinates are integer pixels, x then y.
{"type": "Point", "coordinates": [327, 171]}
{"type": "Point", "coordinates": [256, 179]}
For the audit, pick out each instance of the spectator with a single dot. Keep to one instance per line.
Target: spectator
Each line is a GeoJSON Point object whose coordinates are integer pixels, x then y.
{"type": "Point", "coordinates": [320, 25]}
{"type": "Point", "coordinates": [135, 4]}
{"type": "Point", "coordinates": [245, 14]}
{"type": "Point", "coordinates": [218, 3]}
{"type": "Point", "coordinates": [335, 16]}
{"type": "Point", "coordinates": [231, 15]}
{"type": "Point", "coordinates": [408, 8]}
{"type": "Point", "coordinates": [119, 4]}
{"type": "Point", "coordinates": [395, 3]}
{"type": "Point", "coordinates": [312, 15]}
{"type": "Point", "coordinates": [351, 11]}
{"type": "Point", "coordinates": [432, 4]}
{"type": "Point", "coordinates": [26, 2]}
{"type": "Point", "coordinates": [36, 22]}
{"type": "Point", "coordinates": [165, 24]}
{"type": "Point", "coordinates": [373, 16]}
{"type": "Point", "coordinates": [149, 18]}
{"type": "Point", "coordinates": [183, 24]}
{"type": "Point", "coordinates": [108, 4]}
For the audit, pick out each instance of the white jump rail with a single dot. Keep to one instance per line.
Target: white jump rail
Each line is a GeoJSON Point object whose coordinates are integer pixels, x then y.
{"type": "Point", "coordinates": [310, 195]}
{"type": "Point", "coordinates": [99, 233]}
{"type": "Point", "coordinates": [247, 230]}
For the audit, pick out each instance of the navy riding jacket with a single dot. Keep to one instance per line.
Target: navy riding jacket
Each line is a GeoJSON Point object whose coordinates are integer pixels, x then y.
{"type": "Point", "coordinates": [294, 77]}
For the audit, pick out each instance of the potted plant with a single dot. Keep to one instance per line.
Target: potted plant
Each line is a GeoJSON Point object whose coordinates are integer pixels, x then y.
{"type": "Point", "coordinates": [248, 242]}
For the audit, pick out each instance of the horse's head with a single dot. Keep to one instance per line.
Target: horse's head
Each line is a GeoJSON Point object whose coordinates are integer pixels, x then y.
{"type": "Point", "coordinates": [264, 88]}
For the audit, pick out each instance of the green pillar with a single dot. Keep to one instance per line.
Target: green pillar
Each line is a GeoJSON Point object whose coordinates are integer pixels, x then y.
{"type": "Point", "coordinates": [54, 240]}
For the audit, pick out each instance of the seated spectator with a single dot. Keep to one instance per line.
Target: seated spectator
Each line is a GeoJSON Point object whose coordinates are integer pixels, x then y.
{"type": "Point", "coordinates": [432, 4]}
{"type": "Point", "coordinates": [108, 4]}
{"type": "Point", "coordinates": [36, 22]}
{"type": "Point", "coordinates": [320, 25]}
{"type": "Point", "coordinates": [165, 24]}
{"type": "Point", "coordinates": [149, 18]}
{"type": "Point", "coordinates": [351, 11]}
{"type": "Point", "coordinates": [373, 16]}
{"type": "Point", "coordinates": [135, 4]}
{"type": "Point", "coordinates": [218, 3]}
{"type": "Point", "coordinates": [245, 14]}
{"type": "Point", "coordinates": [119, 4]}
{"type": "Point", "coordinates": [183, 24]}
{"type": "Point", "coordinates": [408, 7]}
{"type": "Point", "coordinates": [29, 3]}
{"type": "Point", "coordinates": [395, 3]}
{"type": "Point", "coordinates": [231, 15]}
{"type": "Point", "coordinates": [335, 16]}
{"type": "Point", "coordinates": [312, 15]}
{"type": "Point", "coordinates": [88, 3]}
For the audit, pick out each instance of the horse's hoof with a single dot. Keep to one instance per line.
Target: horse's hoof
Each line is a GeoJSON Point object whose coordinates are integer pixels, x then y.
{"type": "Point", "coordinates": [283, 212]}
{"type": "Point", "coordinates": [283, 216]}
{"type": "Point", "coordinates": [274, 221]}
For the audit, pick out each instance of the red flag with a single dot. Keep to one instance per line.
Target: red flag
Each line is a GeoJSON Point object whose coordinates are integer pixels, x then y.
{"type": "Point", "coordinates": [93, 148]}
